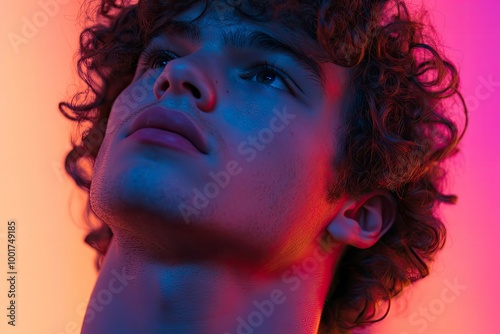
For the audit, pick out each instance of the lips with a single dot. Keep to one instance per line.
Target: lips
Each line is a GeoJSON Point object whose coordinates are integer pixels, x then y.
{"type": "Point", "coordinates": [173, 121]}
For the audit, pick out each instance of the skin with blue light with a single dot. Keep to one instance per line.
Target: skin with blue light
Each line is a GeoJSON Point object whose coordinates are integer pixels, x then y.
{"type": "Point", "coordinates": [270, 236]}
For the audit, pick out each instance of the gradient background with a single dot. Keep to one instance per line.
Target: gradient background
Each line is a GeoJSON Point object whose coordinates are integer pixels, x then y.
{"type": "Point", "coordinates": [56, 273]}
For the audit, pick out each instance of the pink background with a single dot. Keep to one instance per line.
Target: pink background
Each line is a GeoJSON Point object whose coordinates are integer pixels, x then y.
{"type": "Point", "coordinates": [55, 268]}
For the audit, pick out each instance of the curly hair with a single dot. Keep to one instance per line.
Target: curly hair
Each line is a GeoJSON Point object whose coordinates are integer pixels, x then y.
{"type": "Point", "coordinates": [397, 132]}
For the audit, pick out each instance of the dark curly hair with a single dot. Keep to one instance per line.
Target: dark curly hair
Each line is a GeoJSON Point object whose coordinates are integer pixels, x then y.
{"type": "Point", "coordinates": [402, 124]}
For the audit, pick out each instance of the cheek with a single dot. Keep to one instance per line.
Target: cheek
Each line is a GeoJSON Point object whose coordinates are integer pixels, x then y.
{"type": "Point", "coordinates": [284, 191]}
{"type": "Point", "coordinates": [278, 167]}
{"type": "Point", "coordinates": [129, 103]}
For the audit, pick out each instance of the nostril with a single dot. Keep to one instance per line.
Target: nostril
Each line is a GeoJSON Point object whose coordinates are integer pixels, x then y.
{"type": "Point", "coordinates": [161, 89]}
{"type": "Point", "coordinates": [196, 93]}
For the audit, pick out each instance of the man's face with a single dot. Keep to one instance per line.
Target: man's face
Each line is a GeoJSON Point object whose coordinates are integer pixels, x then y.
{"type": "Point", "coordinates": [262, 186]}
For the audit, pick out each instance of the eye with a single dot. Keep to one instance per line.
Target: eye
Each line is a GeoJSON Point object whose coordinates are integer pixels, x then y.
{"type": "Point", "coordinates": [155, 58]}
{"type": "Point", "coordinates": [271, 75]}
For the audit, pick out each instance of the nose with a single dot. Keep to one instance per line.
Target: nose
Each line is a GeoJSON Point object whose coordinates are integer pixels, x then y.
{"type": "Point", "coordinates": [183, 76]}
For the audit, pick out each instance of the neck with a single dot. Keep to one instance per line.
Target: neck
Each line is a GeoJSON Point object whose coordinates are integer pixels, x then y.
{"type": "Point", "coordinates": [134, 294]}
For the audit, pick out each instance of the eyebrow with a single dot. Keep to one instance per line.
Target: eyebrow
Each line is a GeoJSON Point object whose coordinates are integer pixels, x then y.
{"type": "Point", "coordinates": [241, 38]}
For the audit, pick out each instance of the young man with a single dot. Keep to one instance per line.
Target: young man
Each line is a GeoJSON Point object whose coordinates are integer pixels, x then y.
{"type": "Point", "coordinates": [260, 166]}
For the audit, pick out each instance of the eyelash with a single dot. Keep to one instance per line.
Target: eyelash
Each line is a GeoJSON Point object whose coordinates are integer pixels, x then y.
{"type": "Point", "coordinates": [271, 66]}
{"type": "Point", "coordinates": [149, 56]}
{"type": "Point", "coordinates": [152, 54]}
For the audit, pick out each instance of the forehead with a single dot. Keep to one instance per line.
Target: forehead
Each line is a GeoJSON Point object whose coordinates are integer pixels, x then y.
{"type": "Point", "coordinates": [217, 19]}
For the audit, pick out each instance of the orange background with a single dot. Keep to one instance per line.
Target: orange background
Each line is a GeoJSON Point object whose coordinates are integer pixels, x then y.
{"type": "Point", "coordinates": [55, 267]}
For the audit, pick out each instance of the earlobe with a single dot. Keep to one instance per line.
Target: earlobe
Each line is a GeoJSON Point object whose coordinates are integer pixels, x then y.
{"type": "Point", "coordinates": [362, 222]}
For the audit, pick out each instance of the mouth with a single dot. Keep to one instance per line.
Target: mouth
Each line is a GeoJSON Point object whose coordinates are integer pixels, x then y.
{"type": "Point", "coordinates": [176, 127]}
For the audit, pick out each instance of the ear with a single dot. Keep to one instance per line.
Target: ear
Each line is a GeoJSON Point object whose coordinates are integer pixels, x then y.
{"type": "Point", "coordinates": [362, 222]}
